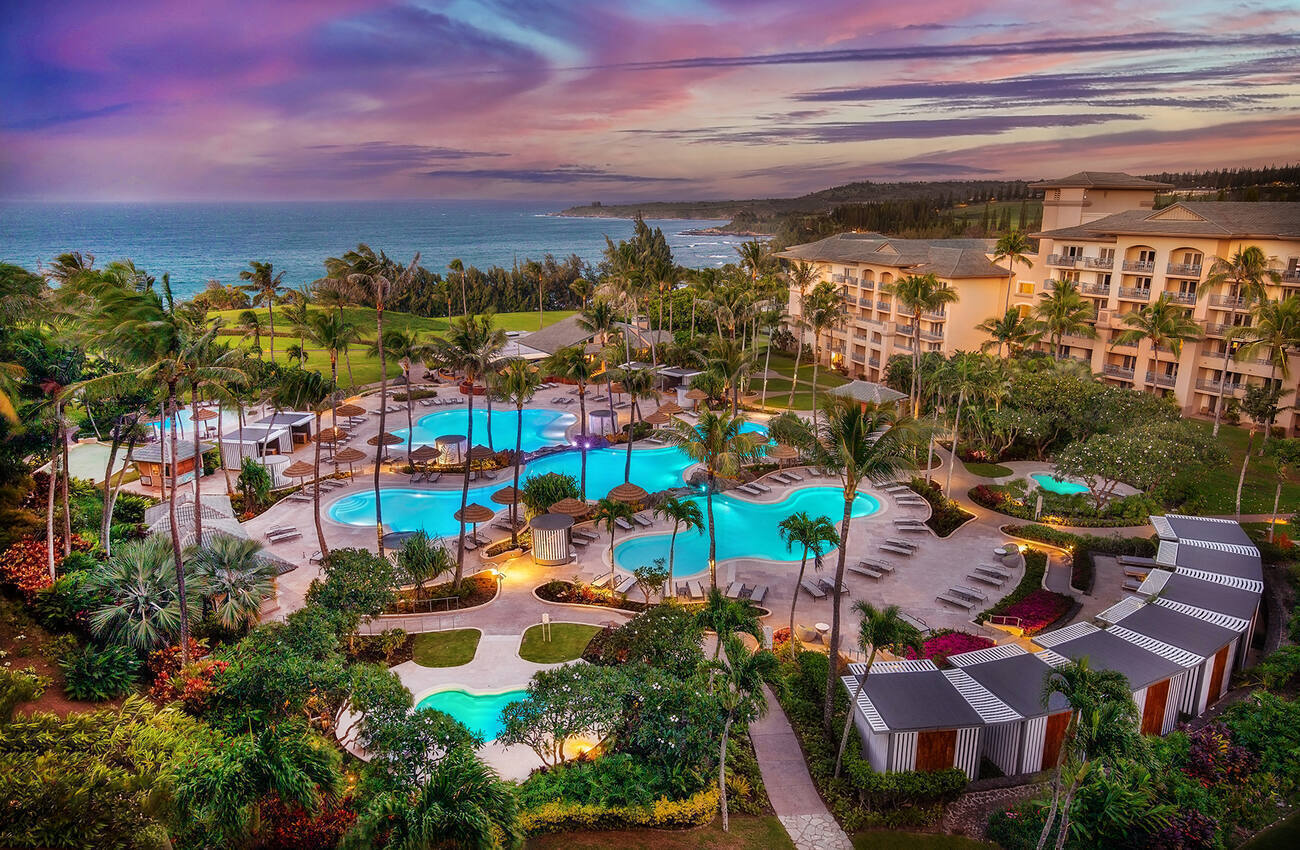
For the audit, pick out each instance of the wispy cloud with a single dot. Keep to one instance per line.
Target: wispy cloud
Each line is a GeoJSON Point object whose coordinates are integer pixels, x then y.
{"type": "Point", "coordinates": [564, 174]}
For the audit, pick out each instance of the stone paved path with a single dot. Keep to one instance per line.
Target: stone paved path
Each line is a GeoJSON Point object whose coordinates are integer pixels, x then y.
{"type": "Point", "coordinates": [789, 786]}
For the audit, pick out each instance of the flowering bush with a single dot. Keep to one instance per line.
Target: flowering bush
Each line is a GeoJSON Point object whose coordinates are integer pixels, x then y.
{"type": "Point", "coordinates": [1213, 759]}
{"type": "Point", "coordinates": [288, 825]}
{"type": "Point", "coordinates": [25, 564]}
{"type": "Point", "coordinates": [938, 647]}
{"type": "Point", "coordinates": [191, 685]}
{"type": "Point", "coordinates": [781, 640]}
{"type": "Point", "coordinates": [1038, 610]}
{"type": "Point", "coordinates": [987, 496]}
{"type": "Point", "coordinates": [1189, 829]}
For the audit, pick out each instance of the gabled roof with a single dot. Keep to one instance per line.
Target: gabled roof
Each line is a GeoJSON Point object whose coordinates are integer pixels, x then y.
{"type": "Point", "coordinates": [552, 338]}
{"type": "Point", "coordinates": [867, 391]}
{"type": "Point", "coordinates": [155, 451]}
{"type": "Point", "coordinates": [1178, 629]}
{"type": "Point", "coordinates": [1100, 180]}
{"type": "Point", "coordinates": [946, 258]}
{"type": "Point", "coordinates": [908, 700]}
{"type": "Point", "coordinates": [1223, 559]}
{"type": "Point", "coordinates": [1106, 651]}
{"type": "Point", "coordinates": [1210, 595]}
{"type": "Point", "coordinates": [1212, 529]}
{"type": "Point", "coordinates": [1016, 677]}
{"type": "Point", "coordinates": [1214, 219]}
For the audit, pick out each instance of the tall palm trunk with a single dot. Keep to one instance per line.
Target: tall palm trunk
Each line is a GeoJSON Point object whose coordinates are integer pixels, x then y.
{"type": "Point", "coordinates": [487, 398]}
{"type": "Point", "coordinates": [713, 537]}
{"type": "Point", "coordinates": [916, 364]}
{"type": "Point", "coordinates": [519, 452]}
{"type": "Point", "coordinates": [53, 480]}
{"type": "Point", "coordinates": [334, 412]}
{"type": "Point", "coordinates": [794, 378]}
{"type": "Point", "coordinates": [347, 358]}
{"type": "Point", "coordinates": [816, 362]}
{"type": "Point", "coordinates": [177, 556]}
{"type": "Point", "coordinates": [541, 290]}
{"type": "Point", "coordinates": [956, 435]}
{"type": "Point", "coordinates": [315, 496]}
{"type": "Point", "coordinates": [270, 316]}
{"type": "Point", "coordinates": [1277, 497]}
{"type": "Point", "coordinates": [198, 464]}
{"type": "Point", "coordinates": [767, 363]}
{"type": "Point", "coordinates": [106, 513]}
{"type": "Point", "coordinates": [221, 457]}
{"type": "Point", "coordinates": [848, 716]}
{"type": "Point", "coordinates": [631, 428]}
{"type": "Point", "coordinates": [410, 415]}
{"type": "Point", "coordinates": [722, 768]}
{"type": "Point", "coordinates": [582, 412]}
{"type": "Point", "coordinates": [117, 488]}
{"type": "Point", "coordinates": [803, 564]}
{"type": "Point", "coordinates": [383, 412]}
{"type": "Point", "coordinates": [64, 487]}
{"type": "Point", "coordinates": [464, 487]}
{"type": "Point", "coordinates": [672, 551]}
{"type": "Point", "coordinates": [1245, 462]}
{"type": "Point", "coordinates": [834, 651]}
{"type": "Point", "coordinates": [1223, 378]}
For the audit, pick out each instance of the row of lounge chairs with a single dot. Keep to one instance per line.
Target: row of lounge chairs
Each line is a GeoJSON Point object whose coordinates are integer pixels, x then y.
{"type": "Point", "coordinates": [991, 575]}
{"type": "Point", "coordinates": [963, 597]}
{"type": "Point", "coordinates": [754, 488]}
{"type": "Point", "coordinates": [426, 476]}
{"type": "Point", "coordinates": [282, 533]}
{"type": "Point", "coordinates": [564, 400]}
{"type": "Point", "coordinates": [754, 593]}
{"type": "Point", "coordinates": [898, 546]}
{"type": "Point", "coordinates": [786, 477]}
{"type": "Point", "coordinates": [818, 587]}
{"type": "Point", "coordinates": [911, 525]}
{"type": "Point", "coordinates": [640, 519]}
{"type": "Point", "coordinates": [440, 401]}
{"type": "Point", "coordinates": [872, 568]}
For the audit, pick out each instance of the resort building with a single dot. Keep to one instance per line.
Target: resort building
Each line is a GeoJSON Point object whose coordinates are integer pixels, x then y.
{"type": "Point", "coordinates": [154, 462]}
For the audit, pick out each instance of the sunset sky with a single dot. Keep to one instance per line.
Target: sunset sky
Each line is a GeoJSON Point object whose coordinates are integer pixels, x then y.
{"type": "Point", "coordinates": [605, 99]}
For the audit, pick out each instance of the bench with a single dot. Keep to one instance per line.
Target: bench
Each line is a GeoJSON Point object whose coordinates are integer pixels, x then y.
{"type": "Point", "coordinates": [812, 590]}
{"type": "Point", "coordinates": [1136, 561]}
{"type": "Point", "coordinates": [1136, 573]}
{"type": "Point", "coordinates": [948, 598]}
{"type": "Point", "coordinates": [897, 550]}
{"type": "Point", "coordinates": [874, 575]}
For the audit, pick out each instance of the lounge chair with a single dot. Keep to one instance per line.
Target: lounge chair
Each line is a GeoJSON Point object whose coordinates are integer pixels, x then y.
{"type": "Point", "coordinates": [758, 594]}
{"type": "Point", "coordinates": [601, 580]}
{"type": "Point", "coordinates": [734, 590]}
{"type": "Point", "coordinates": [748, 490]}
{"type": "Point", "coordinates": [697, 590]}
{"type": "Point", "coordinates": [812, 589]}
{"type": "Point", "coordinates": [1137, 561]}
{"type": "Point", "coordinates": [683, 589]}
{"type": "Point", "coordinates": [898, 541]}
{"type": "Point", "coordinates": [982, 578]}
{"type": "Point", "coordinates": [881, 566]}
{"type": "Point", "coordinates": [623, 524]}
{"type": "Point", "coordinates": [1136, 572]}
{"type": "Point", "coordinates": [470, 545]}
{"type": "Point", "coordinates": [642, 520]}
{"type": "Point", "coordinates": [315, 557]}
{"type": "Point", "coordinates": [874, 575]}
{"type": "Point", "coordinates": [793, 477]}
{"type": "Point", "coordinates": [949, 598]}
{"type": "Point", "coordinates": [829, 586]}
{"type": "Point", "coordinates": [626, 584]}
{"type": "Point", "coordinates": [762, 488]}
{"type": "Point", "coordinates": [897, 550]}
{"type": "Point", "coordinates": [580, 542]}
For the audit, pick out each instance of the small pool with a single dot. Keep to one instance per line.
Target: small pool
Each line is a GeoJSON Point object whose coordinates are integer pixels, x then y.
{"type": "Point", "coordinates": [1063, 487]}
{"type": "Point", "coordinates": [541, 427]}
{"type": "Point", "coordinates": [480, 713]}
{"type": "Point", "coordinates": [432, 511]}
{"type": "Point", "coordinates": [745, 530]}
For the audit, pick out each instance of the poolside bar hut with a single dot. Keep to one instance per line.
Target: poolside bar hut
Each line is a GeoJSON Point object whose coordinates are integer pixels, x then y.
{"type": "Point", "coordinates": [300, 424]}
{"type": "Point", "coordinates": [601, 420]}
{"type": "Point", "coordinates": [1033, 740]}
{"type": "Point", "coordinates": [153, 462]}
{"type": "Point", "coordinates": [255, 441]}
{"type": "Point", "coordinates": [868, 392]}
{"type": "Point", "coordinates": [451, 448]}
{"type": "Point", "coordinates": [551, 539]}
{"type": "Point", "coordinates": [1157, 673]}
{"type": "Point", "coordinates": [913, 716]}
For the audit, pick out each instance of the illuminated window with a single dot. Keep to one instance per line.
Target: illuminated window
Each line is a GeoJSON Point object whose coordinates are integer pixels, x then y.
{"type": "Point", "coordinates": [1025, 287]}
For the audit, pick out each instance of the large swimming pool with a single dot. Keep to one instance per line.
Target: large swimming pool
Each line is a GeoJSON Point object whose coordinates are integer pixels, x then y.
{"type": "Point", "coordinates": [1061, 486]}
{"type": "Point", "coordinates": [405, 509]}
{"type": "Point", "coordinates": [480, 713]}
{"type": "Point", "coordinates": [745, 530]}
{"type": "Point", "coordinates": [541, 427]}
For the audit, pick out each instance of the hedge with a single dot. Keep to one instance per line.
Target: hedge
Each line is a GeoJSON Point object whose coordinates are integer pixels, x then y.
{"type": "Point", "coordinates": [696, 810]}
{"type": "Point", "coordinates": [946, 516]}
{"type": "Point", "coordinates": [995, 499]}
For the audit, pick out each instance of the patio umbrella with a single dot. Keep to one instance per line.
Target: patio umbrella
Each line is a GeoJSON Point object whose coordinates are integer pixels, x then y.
{"type": "Point", "coordinates": [205, 414]}
{"type": "Point", "coordinates": [617, 389]}
{"type": "Point", "coordinates": [481, 452]}
{"type": "Point", "coordinates": [672, 408]}
{"type": "Point", "coordinates": [629, 493]}
{"type": "Point", "coordinates": [570, 507]}
{"type": "Point", "coordinates": [506, 496]}
{"type": "Point", "coordinates": [782, 452]}
{"type": "Point", "coordinates": [696, 394]}
{"type": "Point", "coordinates": [299, 469]}
{"type": "Point", "coordinates": [423, 452]}
{"type": "Point", "coordinates": [346, 409]}
{"type": "Point", "coordinates": [331, 435]}
{"type": "Point", "coordinates": [386, 438]}
{"type": "Point", "coordinates": [349, 456]}
{"type": "Point", "coordinates": [657, 418]}
{"type": "Point", "coordinates": [474, 513]}
{"type": "Point", "coordinates": [592, 348]}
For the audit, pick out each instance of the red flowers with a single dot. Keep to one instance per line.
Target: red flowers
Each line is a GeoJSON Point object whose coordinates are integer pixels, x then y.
{"type": "Point", "coordinates": [25, 564]}
{"type": "Point", "coordinates": [941, 645]}
{"type": "Point", "coordinates": [1038, 610]}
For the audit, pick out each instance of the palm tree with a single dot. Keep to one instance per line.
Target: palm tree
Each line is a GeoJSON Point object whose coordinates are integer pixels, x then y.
{"type": "Point", "coordinates": [964, 375]}
{"type": "Point", "coordinates": [457, 268]}
{"type": "Point", "coordinates": [1064, 311]}
{"type": "Point", "coordinates": [331, 332]}
{"type": "Point", "coordinates": [143, 606]}
{"type": "Point", "coordinates": [729, 360]}
{"type": "Point", "coordinates": [802, 275]}
{"type": "Point", "coordinates": [251, 324]}
{"type": "Point", "coordinates": [584, 290]}
{"type": "Point", "coordinates": [1165, 324]}
{"type": "Point", "coordinates": [639, 384]}
{"type": "Point", "coordinates": [299, 390]}
{"type": "Point", "coordinates": [405, 349]}
{"type": "Point", "coordinates": [518, 383]}
{"type": "Point", "coordinates": [462, 803]}
{"type": "Point", "coordinates": [471, 346]}
{"type": "Point", "coordinates": [1248, 272]}
{"type": "Point", "coordinates": [856, 441]}
{"type": "Point", "coordinates": [771, 320]}
{"type": "Point", "coordinates": [1286, 458]}
{"type": "Point", "coordinates": [685, 513]}
{"type": "Point", "coordinates": [265, 285]}
{"type": "Point", "coordinates": [719, 442]}
{"type": "Point", "coordinates": [238, 578]}
{"type": "Point", "coordinates": [741, 698]}
{"type": "Point", "coordinates": [878, 628]}
{"type": "Point", "coordinates": [1012, 329]}
{"type": "Point", "coordinates": [379, 277]}
{"type": "Point", "coordinates": [422, 560]}
{"type": "Point", "coordinates": [609, 512]}
{"type": "Point", "coordinates": [726, 617]}
{"type": "Point", "coordinates": [823, 310]}
{"type": "Point", "coordinates": [815, 536]}
{"type": "Point", "coordinates": [1275, 329]}
{"type": "Point", "coordinates": [919, 293]}
{"type": "Point", "coordinates": [571, 364]}
{"type": "Point", "coordinates": [534, 268]}
{"type": "Point", "coordinates": [1014, 247]}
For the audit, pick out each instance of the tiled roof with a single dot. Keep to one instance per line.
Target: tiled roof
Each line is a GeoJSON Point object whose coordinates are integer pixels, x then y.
{"type": "Point", "coordinates": [1100, 180]}
{"type": "Point", "coordinates": [868, 392]}
{"type": "Point", "coordinates": [154, 452]}
{"type": "Point", "coordinates": [1215, 219]}
{"type": "Point", "coordinates": [946, 258]}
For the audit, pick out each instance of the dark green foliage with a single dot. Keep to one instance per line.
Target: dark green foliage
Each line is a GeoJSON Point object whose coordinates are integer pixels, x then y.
{"type": "Point", "coordinates": [354, 583]}
{"type": "Point", "coordinates": [539, 492]}
{"type": "Point", "coordinates": [254, 484]}
{"type": "Point", "coordinates": [946, 516]}
{"type": "Point", "coordinates": [666, 636]}
{"type": "Point", "coordinates": [97, 674]}
{"type": "Point", "coordinates": [19, 686]}
{"type": "Point", "coordinates": [616, 779]}
{"type": "Point", "coordinates": [61, 606]}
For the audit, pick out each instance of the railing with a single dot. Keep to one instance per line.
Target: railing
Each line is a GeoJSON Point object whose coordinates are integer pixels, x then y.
{"type": "Point", "coordinates": [409, 623]}
{"type": "Point", "coordinates": [1134, 294]}
{"type": "Point", "coordinates": [1160, 379]}
{"type": "Point", "coordinates": [1139, 265]}
{"type": "Point", "coordinates": [866, 302]}
{"type": "Point", "coordinates": [1216, 329]}
{"type": "Point", "coordinates": [1128, 344]}
{"type": "Point", "coordinates": [1232, 388]}
{"type": "Point", "coordinates": [1118, 372]}
{"type": "Point", "coordinates": [931, 336]}
{"type": "Point", "coordinates": [937, 316]}
{"type": "Point", "coordinates": [883, 305]}
{"type": "Point", "coordinates": [1184, 269]}
{"type": "Point", "coordinates": [1096, 289]}
{"type": "Point", "coordinates": [859, 358]}
{"type": "Point", "coordinates": [1099, 262]}
{"type": "Point", "coordinates": [1182, 297]}
{"type": "Point", "coordinates": [1232, 302]}
{"type": "Point", "coordinates": [1067, 260]}
{"type": "Point", "coordinates": [1291, 276]}
{"type": "Point", "coordinates": [873, 361]}
{"type": "Point", "coordinates": [838, 278]}
{"type": "Point", "coordinates": [850, 279]}
{"type": "Point", "coordinates": [867, 284]}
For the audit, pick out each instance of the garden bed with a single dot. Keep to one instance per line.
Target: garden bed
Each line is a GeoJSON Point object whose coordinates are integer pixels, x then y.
{"type": "Point", "coordinates": [568, 593]}
{"type": "Point", "coordinates": [1008, 501]}
{"type": "Point", "coordinates": [1081, 548]}
{"type": "Point", "coordinates": [396, 647]}
{"type": "Point", "coordinates": [947, 642]}
{"type": "Point", "coordinates": [475, 590]}
{"type": "Point", "coordinates": [1037, 608]}
{"type": "Point", "coordinates": [946, 516]}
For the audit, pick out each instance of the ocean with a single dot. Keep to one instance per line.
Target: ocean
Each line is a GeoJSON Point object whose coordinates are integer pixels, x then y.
{"type": "Point", "coordinates": [198, 242]}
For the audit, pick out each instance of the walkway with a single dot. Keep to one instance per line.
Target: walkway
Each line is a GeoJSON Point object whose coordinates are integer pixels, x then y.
{"type": "Point", "coordinates": [789, 786]}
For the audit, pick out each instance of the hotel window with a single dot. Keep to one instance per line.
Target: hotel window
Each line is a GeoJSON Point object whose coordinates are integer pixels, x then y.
{"type": "Point", "coordinates": [1072, 251]}
{"type": "Point", "coordinates": [1070, 275]}
{"type": "Point", "coordinates": [1107, 254]}
{"type": "Point", "coordinates": [1187, 288]}
{"type": "Point", "coordinates": [1143, 283]}
{"type": "Point", "coordinates": [1025, 287]}
{"type": "Point", "coordinates": [1024, 309]}
{"type": "Point", "coordinates": [1146, 256]}
{"type": "Point", "coordinates": [1104, 280]}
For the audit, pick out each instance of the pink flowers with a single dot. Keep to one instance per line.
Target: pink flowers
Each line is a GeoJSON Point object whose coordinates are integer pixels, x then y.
{"type": "Point", "coordinates": [1038, 610]}
{"type": "Point", "coordinates": [941, 645]}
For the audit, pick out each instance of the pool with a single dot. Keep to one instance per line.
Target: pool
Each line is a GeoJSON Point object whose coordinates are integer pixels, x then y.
{"type": "Point", "coordinates": [1063, 487]}
{"type": "Point", "coordinates": [541, 427]}
{"type": "Point", "coordinates": [745, 530]}
{"type": "Point", "coordinates": [480, 713]}
{"type": "Point", "coordinates": [412, 510]}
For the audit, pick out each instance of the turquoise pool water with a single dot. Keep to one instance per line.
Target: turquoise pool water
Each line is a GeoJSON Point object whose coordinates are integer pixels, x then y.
{"type": "Point", "coordinates": [745, 530]}
{"type": "Point", "coordinates": [1056, 485]}
{"type": "Point", "coordinates": [541, 427]}
{"type": "Point", "coordinates": [413, 510]}
{"type": "Point", "coordinates": [481, 713]}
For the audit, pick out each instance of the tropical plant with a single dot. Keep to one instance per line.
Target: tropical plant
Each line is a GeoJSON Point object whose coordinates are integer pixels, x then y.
{"type": "Point", "coordinates": [1275, 332]}
{"type": "Point", "coordinates": [608, 512]}
{"type": "Point", "coordinates": [143, 605]}
{"type": "Point", "coordinates": [237, 578]}
{"type": "Point", "coordinates": [684, 513]}
{"type": "Point", "coordinates": [729, 360]}
{"type": "Point", "coordinates": [303, 390]}
{"type": "Point", "coordinates": [802, 275]}
{"type": "Point", "coordinates": [857, 442]}
{"type": "Point", "coordinates": [1012, 329]}
{"type": "Point", "coordinates": [741, 696]}
{"type": "Point", "coordinates": [265, 284]}
{"type": "Point", "coordinates": [254, 483]}
{"type": "Point", "coordinates": [918, 294]}
{"type": "Point", "coordinates": [1286, 458]}
{"type": "Point", "coordinates": [1247, 274]}
{"type": "Point", "coordinates": [964, 375]}
{"type": "Point", "coordinates": [1015, 248]}
{"type": "Point", "coordinates": [726, 617]}
{"type": "Point", "coordinates": [1163, 323]}
{"type": "Point", "coordinates": [823, 309]}
{"type": "Point", "coordinates": [1064, 312]}
{"type": "Point", "coordinates": [542, 491]}
{"type": "Point", "coordinates": [518, 383]}
{"type": "Point", "coordinates": [571, 364]}
{"type": "Point", "coordinates": [96, 674]}
{"type": "Point", "coordinates": [814, 535]}
{"type": "Point", "coordinates": [650, 577]}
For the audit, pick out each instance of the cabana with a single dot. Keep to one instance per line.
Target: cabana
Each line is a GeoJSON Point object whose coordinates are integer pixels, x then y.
{"type": "Point", "coordinates": [301, 425]}
{"type": "Point", "coordinates": [153, 462]}
{"type": "Point", "coordinates": [255, 441]}
{"type": "Point", "coordinates": [1232, 597]}
{"type": "Point", "coordinates": [1015, 676]}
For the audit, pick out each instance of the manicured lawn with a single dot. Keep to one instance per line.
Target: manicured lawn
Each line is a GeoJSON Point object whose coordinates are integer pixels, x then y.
{"type": "Point", "coordinates": [1220, 486]}
{"type": "Point", "coordinates": [747, 833]}
{"type": "Point", "coordinates": [885, 840]}
{"type": "Point", "coordinates": [778, 389]}
{"type": "Point", "coordinates": [988, 470]}
{"type": "Point", "coordinates": [446, 649]}
{"type": "Point", "coordinates": [567, 642]}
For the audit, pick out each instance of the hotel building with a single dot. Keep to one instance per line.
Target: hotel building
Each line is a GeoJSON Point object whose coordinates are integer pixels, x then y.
{"type": "Point", "coordinates": [1100, 229]}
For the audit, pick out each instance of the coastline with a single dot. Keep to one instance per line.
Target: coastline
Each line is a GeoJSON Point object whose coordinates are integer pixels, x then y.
{"type": "Point", "coordinates": [721, 230]}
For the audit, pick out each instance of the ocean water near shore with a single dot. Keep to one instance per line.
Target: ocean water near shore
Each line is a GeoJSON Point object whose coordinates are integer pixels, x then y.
{"type": "Point", "coordinates": [197, 242]}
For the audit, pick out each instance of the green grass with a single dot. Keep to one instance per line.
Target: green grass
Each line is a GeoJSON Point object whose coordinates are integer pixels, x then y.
{"type": "Point", "coordinates": [567, 642]}
{"type": "Point", "coordinates": [778, 389]}
{"type": "Point", "coordinates": [446, 649]}
{"type": "Point", "coordinates": [747, 833]}
{"type": "Point", "coordinates": [882, 840]}
{"type": "Point", "coordinates": [988, 470]}
{"type": "Point", "coordinates": [1220, 485]}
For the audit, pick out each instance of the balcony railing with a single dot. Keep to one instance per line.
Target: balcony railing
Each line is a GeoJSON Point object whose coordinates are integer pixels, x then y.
{"type": "Point", "coordinates": [866, 302]}
{"type": "Point", "coordinates": [1232, 302]}
{"type": "Point", "coordinates": [1184, 269]}
{"type": "Point", "coordinates": [1117, 372]}
{"type": "Point", "coordinates": [883, 305]}
{"type": "Point", "coordinates": [850, 279]}
{"type": "Point", "coordinates": [1139, 265]}
{"type": "Point", "coordinates": [935, 317]}
{"type": "Point", "coordinates": [867, 284]}
{"type": "Point", "coordinates": [838, 278]}
{"type": "Point", "coordinates": [1160, 379]}
{"type": "Point", "coordinates": [1291, 276]}
{"type": "Point", "coordinates": [1181, 297]}
{"type": "Point", "coordinates": [1134, 294]}
{"type": "Point", "coordinates": [1099, 262]}
{"type": "Point", "coordinates": [1232, 387]}
{"type": "Point", "coordinates": [1096, 289]}
{"type": "Point", "coordinates": [1069, 261]}
{"type": "Point", "coordinates": [1132, 345]}
{"type": "Point", "coordinates": [859, 358]}
{"type": "Point", "coordinates": [931, 336]}
{"type": "Point", "coordinates": [873, 361]}
{"type": "Point", "coordinates": [1219, 330]}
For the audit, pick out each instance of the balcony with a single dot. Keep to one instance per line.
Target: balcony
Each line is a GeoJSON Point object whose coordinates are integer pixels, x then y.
{"type": "Point", "coordinates": [1183, 269]}
{"type": "Point", "coordinates": [1217, 330]}
{"type": "Point", "coordinates": [867, 284]}
{"type": "Point", "coordinates": [1075, 339]}
{"type": "Point", "coordinates": [851, 280]}
{"type": "Point", "coordinates": [1132, 346]}
{"type": "Point", "coordinates": [1231, 388]}
{"type": "Point", "coordinates": [1130, 293]}
{"type": "Point", "coordinates": [866, 302]}
{"type": "Point", "coordinates": [859, 358]}
{"type": "Point", "coordinates": [935, 317]}
{"type": "Point", "coordinates": [1229, 302]}
{"type": "Point", "coordinates": [873, 361]}
{"type": "Point", "coordinates": [1291, 276]}
{"type": "Point", "coordinates": [1068, 261]}
{"type": "Point", "coordinates": [1139, 266]}
{"type": "Point", "coordinates": [1112, 371]}
{"type": "Point", "coordinates": [1160, 379]}
{"type": "Point", "coordinates": [1099, 262]}
{"type": "Point", "coordinates": [1096, 289]}
{"type": "Point", "coordinates": [931, 336]}
{"type": "Point", "coordinates": [883, 305]}
{"type": "Point", "coordinates": [839, 278]}
{"type": "Point", "coordinates": [1181, 297]}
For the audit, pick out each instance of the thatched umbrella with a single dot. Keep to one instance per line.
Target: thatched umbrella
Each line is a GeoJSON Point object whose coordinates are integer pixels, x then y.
{"type": "Point", "coordinates": [672, 408]}
{"type": "Point", "coordinates": [592, 348]}
{"type": "Point", "coordinates": [299, 469]}
{"type": "Point", "coordinates": [617, 388]}
{"type": "Point", "coordinates": [349, 456]}
{"type": "Point", "coordinates": [205, 414]}
{"type": "Point", "coordinates": [474, 513]}
{"type": "Point", "coordinates": [331, 435]}
{"type": "Point", "coordinates": [423, 453]}
{"type": "Point", "coordinates": [386, 438]}
{"type": "Point", "coordinates": [629, 493]}
{"type": "Point", "coordinates": [509, 496]}
{"type": "Point", "coordinates": [696, 394]}
{"type": "Point", "coordinates": [570, 507]}
{"type": "Point", "coordinates": [781, 452]}
{"type": "Point", "coordinates": [657, 418]}
{"type": "Point", "coordinates": [346, 409]}
{"type": "Point", "coordinates": [481, 452]}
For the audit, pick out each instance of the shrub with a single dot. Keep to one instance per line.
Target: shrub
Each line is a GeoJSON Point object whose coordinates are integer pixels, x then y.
{"type": "Point", "coordinates": [666, 636]}
{"type": "Point", "coordinates": [100, 674]}
{"type": "Point", "coordinates": [946, 516]}
{"type": "Point", "coordinates": [1031, 584]}
{"type": "Point", "coordinates": [130, 507]}
{"type": "Point", "coordinates": [19, 686]}
{"type": "Point", "coordinates": [663, 813]}
{"type": "Point", "coordinates": [941, 644]}
{"type": "Point", "coordinates": [288, 826]}
{"type": "Point", "coordinates": [25, 564]}
{"type": "Point", "coordinates": [541, 491]}
{"type": "Point", "coordinates": [1038, 610]}
{"type": "Point", "coordinates": [61, 607]}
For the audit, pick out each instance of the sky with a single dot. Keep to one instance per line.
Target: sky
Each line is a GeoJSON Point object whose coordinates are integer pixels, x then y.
{"type": "Point", "coordinates": [612, 100]}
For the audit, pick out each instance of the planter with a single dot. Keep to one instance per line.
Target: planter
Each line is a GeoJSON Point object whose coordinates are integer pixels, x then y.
{"type": "Point", "coordinates": [503, 556]}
